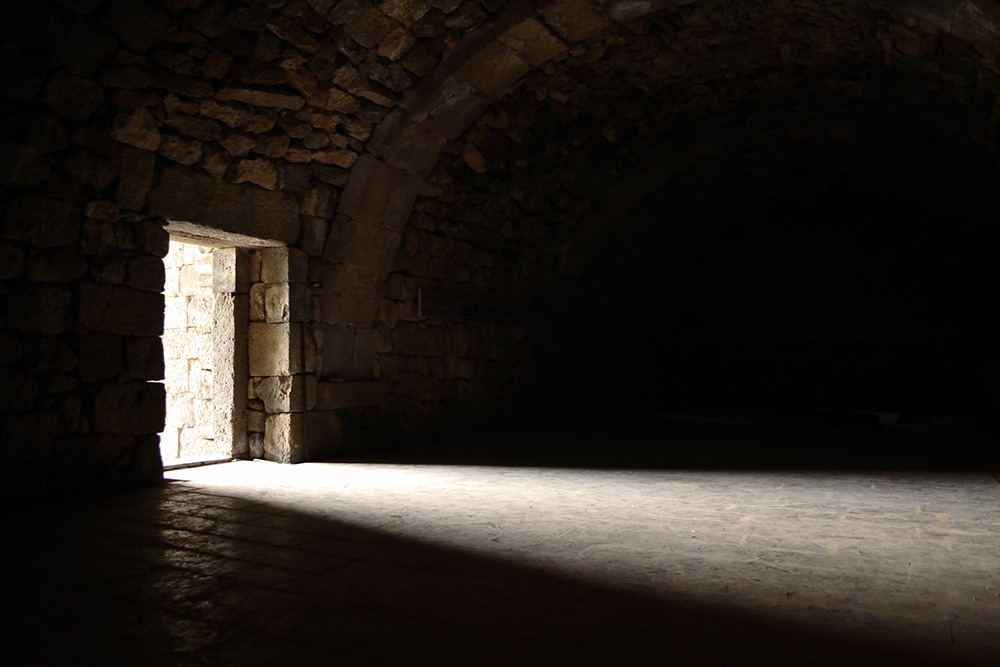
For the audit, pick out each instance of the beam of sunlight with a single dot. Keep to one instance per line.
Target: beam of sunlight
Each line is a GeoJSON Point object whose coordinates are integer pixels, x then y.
{"type": "Point", "coordinates": [893, 557]}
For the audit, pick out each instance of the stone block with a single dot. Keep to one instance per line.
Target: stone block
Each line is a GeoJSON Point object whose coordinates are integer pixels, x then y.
{"type": "Point", "coordinates": [338, 351]}
{"type": "Point", "coordinates": [288, 303]}
{"type": "Point", "coordinates": [283, 265]}
{"type": "Point", "coordinates": [180, 410]}
{"type": "Point", "coordinates": [40, 310]}
{"type": "Point", "coordinates": [57, 266]}
{"type": "Point", "coordinates": [258, 293]}
{"type": "Point", "coordinates": [340, 395]}
{"type": "Point", "coordinates": [100, 357]}
{"type": "Point", "coordinates": [120, 310]}
{"type": "Point", "coordinates": [255, 441]}
{"type": "Point", "coordinates": [231, 270]}
{"type": "Point", "coordinates": [285, 438]}
{"type": "Point", "coordinates": [188, 280]}
{"type": "Point", "coordinates": [350, 296]}
{"type": "Point", "coordinates": [369, 247]}
{"type": "Point", "coordinates": [133, 407]}
{"type": "Point", "coordinates": [314, 232]}
{"type": "Point", "coordinates": [368, 27]}
{"type": "Point", "coordinates": [574, 20]}
{"type": "Point", "coordinates": [282, 393]}
{"type": "Point", "coordinates": [275, 349]}
{"type": "Point", "coordinates": [256, 421]}
{"type": "Point", "coordinates": [144, 357]}
{"type": "Point", "coordinates": [262, 98]}
{"type": "Point", "coordinates": [146, 273]}
{"type": "Point", "coordinates": [42, 222]}
{"type": "Point", "coordinates": [378, 194]}
{"type": "Point", "coordinates": [493, 69]}
{"type": "Point", "coordinates": [532, 41]}
{"type": "Point", "coordinates": [240, 212]}
{"type": "Point", "coordinates": [137, 128]}
{"type": "Point", "coordinates": [175, 313]}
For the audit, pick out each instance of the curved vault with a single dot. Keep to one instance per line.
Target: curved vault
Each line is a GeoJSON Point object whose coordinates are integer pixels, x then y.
{"type": "Point", "coordinates": [623, 142]}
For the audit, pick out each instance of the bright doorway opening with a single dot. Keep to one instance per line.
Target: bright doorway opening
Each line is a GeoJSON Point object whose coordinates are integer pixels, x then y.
{"type": "Point", "coordinates": [189, 311]}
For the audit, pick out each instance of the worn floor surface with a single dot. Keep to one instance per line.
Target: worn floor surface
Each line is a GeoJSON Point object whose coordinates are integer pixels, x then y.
{"type": "Point", "coordinates": [656, 542]}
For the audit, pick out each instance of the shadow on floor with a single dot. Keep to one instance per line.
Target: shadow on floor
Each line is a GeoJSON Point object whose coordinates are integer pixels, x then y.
{"type": "Point", "coordinates": [181, 576]}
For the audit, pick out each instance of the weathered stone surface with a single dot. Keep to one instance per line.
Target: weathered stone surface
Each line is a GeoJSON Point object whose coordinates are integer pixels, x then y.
{"type": "Point", "coordinates": [573, 20]}
{"type": "Point", "coordinates": [287, 303]}
{"type": "Point", "coordinates": [378, 194]}
{"type": "Point", "coordinates": [284, 393]}
{"type": "Point", "coordinates": [332, 98]}
{"type": "Point", "coordinates": [21, 167]}
{"type": "Point", "coordinates": [257, 171]}
{"type": "Point", "coordinates": [350, 296]}
{"type": "Point", "coordinates": [194, 127]}
{"type": "Point", "coordinates": [283, 265]}
{"type": "Point", "coordinates": [493, 69]}
{"type": "Point", "coordinates": [144, 356]}
{"type": "Point", "coordinates": [324, 434]}
{"type": "Point", "coordinates": [182, 150]}
{"type": "Point", "coordinates": [73, 96]}
{"type": "Point", "coordinates": [40, 310]}
{"type": "Point", "coordinates": [319, 201]}
{"type": "Point", "coordinates": [285, 438]}
{"type": "Point", "coordinates": [100, 357]}
{"type": "Point", "coordinates": [231, 270]}
{"type": "Point", "coordinates": [134, 407]}
{"type": "Point", "coordinates": [145, 273]}
{"type": "Point", "coordinates": [273, 144]}
{"type": "Point", "coordinates": [340, 395]}
{"type": "Point", "coordinates": [314, 232]}
{"type": "Point", "coordinates": [120, 310]}
{"type": "Point", "coordinates": [395, 44]}
{"type": "Point", "coordinates": [292, 33]}
{"type": "Point", "coordinates": [135, 178]}
{"type": "Point", "coordinates": [262, 98]}
{"type": "Point", "coordinates": [339, 157]}
{"type": "Point", "coordinates": [368, 26]}
{"type": "Point", "coordinates": [238, 144]}
{"type": "Point", "coordinates": [42, 221]}
{"type": "Point", "coordinates": [275, 349]}
{"type": "Point", "coordinates": [184, 195]}
{"type": "Point", "coordinates": [361, 246]}
{"type": "Point", "coordinates": [57, 266]}
{"type": "Point", "coordinates": [532, 41]}
{"type": "Point", "coordinates": [137, 128]}
{"type": "Point", "coordinates": [137, 23]}
{"type": "Point", "coordinates": [258, 312]}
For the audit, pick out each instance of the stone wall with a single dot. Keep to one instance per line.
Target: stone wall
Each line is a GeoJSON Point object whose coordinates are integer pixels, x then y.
{"type": "Point", "coordinates": [187, 347]}
{"type": "Point", "coordinates": [508, 150]}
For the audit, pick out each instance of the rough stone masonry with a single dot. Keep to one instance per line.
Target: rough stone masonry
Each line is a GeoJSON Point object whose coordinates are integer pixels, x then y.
{"type": "Point", "coordinates": [355, 152]}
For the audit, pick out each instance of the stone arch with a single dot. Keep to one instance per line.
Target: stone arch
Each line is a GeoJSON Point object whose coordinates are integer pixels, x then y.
{"type": "Point", "coordinates": [481, 69]}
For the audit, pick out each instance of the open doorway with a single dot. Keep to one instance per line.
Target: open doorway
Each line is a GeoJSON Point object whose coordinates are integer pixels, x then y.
{"type": "Point", "coordinates": [189, 304]}
{"type": "Point", "coordinates": [204, 348]}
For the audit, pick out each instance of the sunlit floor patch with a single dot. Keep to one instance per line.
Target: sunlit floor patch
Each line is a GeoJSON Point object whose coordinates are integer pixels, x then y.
{"type": "Point", "coordinates": [903, 557]}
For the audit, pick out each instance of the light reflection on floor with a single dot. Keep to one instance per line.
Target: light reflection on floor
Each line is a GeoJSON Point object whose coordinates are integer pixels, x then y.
{"type": "Point", "coordinates": [901, 557]}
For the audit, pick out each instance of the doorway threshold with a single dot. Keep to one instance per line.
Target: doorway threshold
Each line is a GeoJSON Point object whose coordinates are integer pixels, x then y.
{"type": "Point", "coordinates": [195, 462]}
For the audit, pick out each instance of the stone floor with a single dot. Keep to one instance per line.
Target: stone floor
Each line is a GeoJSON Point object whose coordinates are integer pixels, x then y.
{"type": "Point", "coordinates": [655, 541]}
